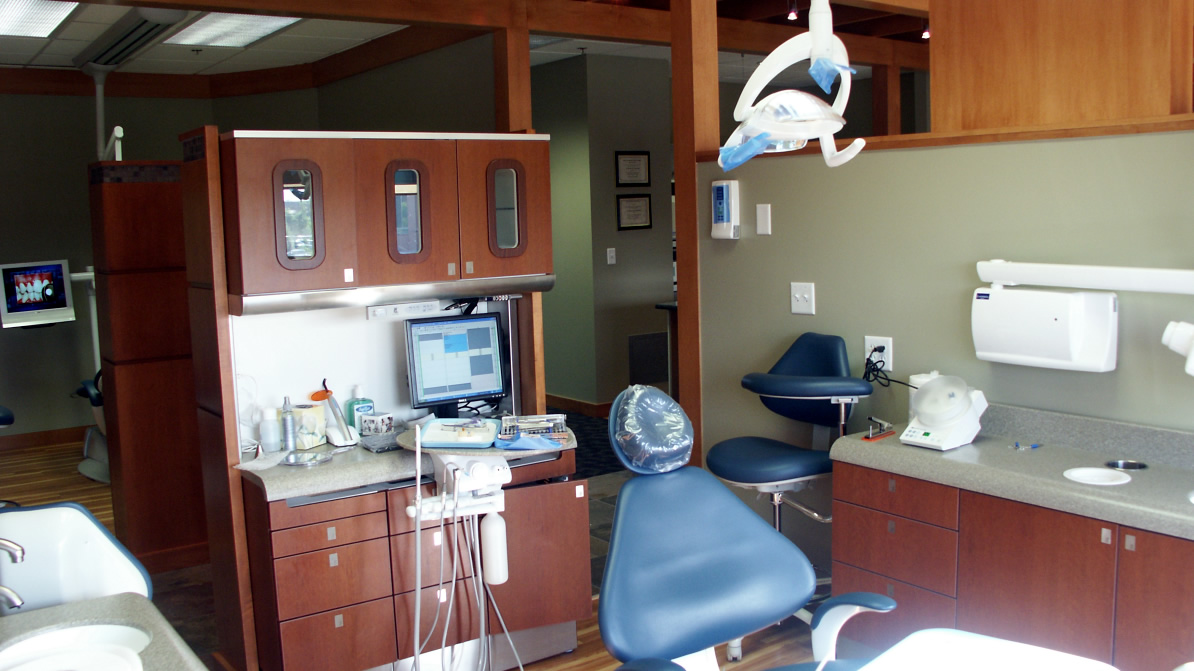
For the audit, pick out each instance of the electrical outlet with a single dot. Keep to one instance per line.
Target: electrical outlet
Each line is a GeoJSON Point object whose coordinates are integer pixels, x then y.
{"type": "Point", "coordinates": [611, 256]}
{"type": "Point", "coordinates": [869, 345]}
{"type": "Point", "coordinates": [804, 298]}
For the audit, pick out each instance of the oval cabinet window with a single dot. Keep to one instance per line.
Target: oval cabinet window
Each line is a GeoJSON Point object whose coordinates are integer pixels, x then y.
{"type": "Point", "coordinates": [298, 214]}
{"type": "Point", "coordinates": [506, 180]}
{"type": "Point", "coordinates": [404, 211]}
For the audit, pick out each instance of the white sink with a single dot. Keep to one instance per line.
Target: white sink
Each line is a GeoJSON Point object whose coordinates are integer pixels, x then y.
{"type": "Point", "coordinates": [93, 647]}
{"type": "Point", "coordinates": [69, 556]}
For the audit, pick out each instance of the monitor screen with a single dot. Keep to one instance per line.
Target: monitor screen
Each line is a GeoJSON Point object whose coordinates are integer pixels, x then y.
{"type": "Point", "coordinates": [456, 358]}
{"type": "Point", "coordinates": [35, 293]}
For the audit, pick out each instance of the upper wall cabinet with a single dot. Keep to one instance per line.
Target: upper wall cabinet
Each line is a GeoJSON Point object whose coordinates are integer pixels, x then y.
{"type": "Point", "coordinates": [339, 211]}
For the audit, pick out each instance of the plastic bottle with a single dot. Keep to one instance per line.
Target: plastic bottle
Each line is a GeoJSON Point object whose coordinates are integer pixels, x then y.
{"type": "Point", "coordinates": [288, 435]}
{"type": "Point", "coordinates": [270, 431]}
{"type": "Point", "coordinates": [356, 406]}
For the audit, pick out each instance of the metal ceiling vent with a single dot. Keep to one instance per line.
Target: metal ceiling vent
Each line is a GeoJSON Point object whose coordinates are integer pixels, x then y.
{"type": "Point", "coordinates": [133, 31]}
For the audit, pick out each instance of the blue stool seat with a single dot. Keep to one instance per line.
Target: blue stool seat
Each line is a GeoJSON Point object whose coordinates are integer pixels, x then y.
{"type": "Point", "coordinates": [757, 460]}
{"type": "Point", "coordinates": [6, 418]}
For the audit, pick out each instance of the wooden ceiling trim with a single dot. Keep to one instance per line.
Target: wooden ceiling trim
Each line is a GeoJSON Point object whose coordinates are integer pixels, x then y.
{"type": "Point", "coordinates": [761, 38]}
{"type": "Point", "coordinates": [272, 80]}
{"type": "Point", "coordinates": [25, 81]}
{"type": "Point", "coordinates": [598, 21]}
{"type": "Point", "coordinates": [391, 48]}
{"type": "Point", "coordinates": [914, 7]}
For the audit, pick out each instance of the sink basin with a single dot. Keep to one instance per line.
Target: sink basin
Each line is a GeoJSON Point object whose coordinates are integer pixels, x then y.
{"type": "Point", "coordinates": [1097, 476]}
{"type": "Point", "coordinates": [92, 647]}
{"type": "Point", "coordinates": [69, 556]}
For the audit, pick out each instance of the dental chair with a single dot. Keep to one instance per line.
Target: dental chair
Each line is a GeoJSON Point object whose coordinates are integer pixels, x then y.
{"type": "Point", "coordinates": [691, 566]}
{"type": "Point", "coordinates": [810, 383]}
{"type": "Point", "coordinates": [6, 417]}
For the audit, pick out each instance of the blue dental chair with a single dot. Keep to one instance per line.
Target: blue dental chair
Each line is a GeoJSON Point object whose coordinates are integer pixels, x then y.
{"type": "Point", "coordinates": [691, 566]}
{"type": "Point", "coordinates": [6, 417]}
{"type": "Point", "coordinates": [810, 383]}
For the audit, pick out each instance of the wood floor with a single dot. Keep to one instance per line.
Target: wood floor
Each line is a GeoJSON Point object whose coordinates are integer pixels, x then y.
{"type": "Point", "coordinates": [48, 474]}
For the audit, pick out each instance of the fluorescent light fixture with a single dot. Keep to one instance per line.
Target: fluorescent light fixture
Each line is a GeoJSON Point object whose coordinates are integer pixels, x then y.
{"type": "Point", "coordinates": [229, 30]}
{"type": "Point", "coordinates": [32, 18]}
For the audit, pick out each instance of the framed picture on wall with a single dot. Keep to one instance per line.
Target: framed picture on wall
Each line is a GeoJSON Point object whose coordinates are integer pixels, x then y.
{"type": "Point", "coordinates": [633, 168]}
{"type": "Point", "coordinates": [634, 211]}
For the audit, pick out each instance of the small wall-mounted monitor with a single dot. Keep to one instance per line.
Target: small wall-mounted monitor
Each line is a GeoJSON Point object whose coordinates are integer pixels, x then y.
{"type": "Point", "coordinates": [453, 359]}
{"type": "Point", "coordinates": [36, 293]}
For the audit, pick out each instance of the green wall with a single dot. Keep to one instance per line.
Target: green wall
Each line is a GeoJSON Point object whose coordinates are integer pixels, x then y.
{"type": "Point", "coordinates": [560, 103]}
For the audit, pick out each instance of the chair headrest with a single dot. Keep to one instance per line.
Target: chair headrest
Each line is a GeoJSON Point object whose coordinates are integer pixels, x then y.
{"type": "Point", "coordinates": [649, 431]}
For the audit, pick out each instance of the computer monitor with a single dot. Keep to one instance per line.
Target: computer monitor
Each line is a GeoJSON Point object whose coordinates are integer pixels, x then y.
{"type": "Point", "coordinates": [35, 293]}
{"type": "Point", "coordinates": [456, 358]}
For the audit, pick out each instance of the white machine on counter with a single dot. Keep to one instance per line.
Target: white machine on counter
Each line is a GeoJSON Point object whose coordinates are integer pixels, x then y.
{"type": "Point", "coordinates": [947, 413]}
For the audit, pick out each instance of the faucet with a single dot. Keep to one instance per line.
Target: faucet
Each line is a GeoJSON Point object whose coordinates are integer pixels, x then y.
{"type": "Point", "coordinates": [15, 551]}
{"type": "Point", "coordinates": [14, 599]}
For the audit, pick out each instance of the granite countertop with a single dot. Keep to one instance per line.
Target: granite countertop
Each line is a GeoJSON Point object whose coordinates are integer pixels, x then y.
{"type": "Point", "coordinates": [1156, 499]}
{"type": "Point", "coordinates": [166, 650]}
{"type": "Point", "coordinates": [360, 469]}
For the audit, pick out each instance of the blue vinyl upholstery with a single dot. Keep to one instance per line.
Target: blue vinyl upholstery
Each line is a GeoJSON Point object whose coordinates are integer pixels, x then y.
{"type": "Point", "coordinates": [6, 417]}
{"type": "Point", "coordinates": [754, 459]}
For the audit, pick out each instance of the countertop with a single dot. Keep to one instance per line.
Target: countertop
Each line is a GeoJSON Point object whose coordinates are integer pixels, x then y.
{"type": "Point", "coordinates": [166, 650]}
{"type": "Point", "coordinates": [359, 469]}
{"type": "Point", "coordinates": [1156, 499]}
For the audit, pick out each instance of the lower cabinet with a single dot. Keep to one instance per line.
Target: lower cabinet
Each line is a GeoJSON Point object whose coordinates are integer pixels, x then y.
{"type": "Point", "coordinates": [334, 582]}
{"type": "Point", "coordinates": [1015, 571]}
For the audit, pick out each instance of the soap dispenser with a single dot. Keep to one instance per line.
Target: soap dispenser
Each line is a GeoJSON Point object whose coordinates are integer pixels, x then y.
{"type": "Point", "coordinates": [356, 406]}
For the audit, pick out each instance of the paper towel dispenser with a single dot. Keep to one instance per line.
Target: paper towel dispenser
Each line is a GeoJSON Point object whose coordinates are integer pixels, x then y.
{"type": "Point", "coordinates": [1066, 330]}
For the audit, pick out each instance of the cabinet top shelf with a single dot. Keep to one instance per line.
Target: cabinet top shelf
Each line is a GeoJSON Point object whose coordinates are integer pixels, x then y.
{"type": "Point", "coordinates": [378, 135]}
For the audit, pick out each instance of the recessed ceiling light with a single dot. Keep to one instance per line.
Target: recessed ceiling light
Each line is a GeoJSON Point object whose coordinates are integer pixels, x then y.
{"type": "Point", "coordinates": [229, 30]}
{"type": "Point", "coordinates": [32, 18]}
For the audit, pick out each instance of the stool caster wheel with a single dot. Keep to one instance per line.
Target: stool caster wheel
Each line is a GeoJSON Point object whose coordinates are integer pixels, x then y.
{"type": "Point", "coordinates": [734, 650]}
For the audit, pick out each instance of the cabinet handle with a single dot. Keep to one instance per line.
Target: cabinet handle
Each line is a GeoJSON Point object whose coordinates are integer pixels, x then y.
{"type": "Point", "coordinates": [891, 526]}
{"type": "Point", "coordinates": [451, 270]}
{"type": "Point", "coordinates": [331, 533]}
{"type": "Point", "coordinates": [1130, 542]}
{"type": "Point", "coordinates": [468, 267]}
{"type": "Point", "coordinates": [1106, 536]}
{"type": "Point", "coordinates": [891, 590]}
{"type": "Point", "coordinates": [334, 559]}
{"type": "Point", "coordinates": [338, 620]}
{"type": "Point", "coordinates": [891, 485]}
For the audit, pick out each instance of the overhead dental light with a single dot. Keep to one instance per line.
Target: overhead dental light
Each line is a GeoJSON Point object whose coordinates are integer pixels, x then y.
{"type": "Point", "coordinates": [787, 120]}
{"type": "Point", "coordinates": [792, 13]}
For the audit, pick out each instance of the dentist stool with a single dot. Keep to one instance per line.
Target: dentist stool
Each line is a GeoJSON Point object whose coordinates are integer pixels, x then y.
{"type": "Point", "coordinates": [6, 418]}
{"type": "Point", "coordinates": [691, 566]}
{"type": "Point", "coordinates": [810, 383]}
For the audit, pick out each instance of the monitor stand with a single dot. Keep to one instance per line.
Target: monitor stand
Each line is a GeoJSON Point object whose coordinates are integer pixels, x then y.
{"type": "Point", "coordinates": [446, 410]}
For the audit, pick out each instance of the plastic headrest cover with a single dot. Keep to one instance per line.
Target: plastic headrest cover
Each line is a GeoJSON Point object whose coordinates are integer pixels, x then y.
{"type": "Point", "coordinates": [649, 431]}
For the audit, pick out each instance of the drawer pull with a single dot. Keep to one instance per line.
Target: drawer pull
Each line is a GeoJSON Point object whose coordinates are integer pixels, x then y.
{"type": "Point", "coordinates": [1106, 536]}
{"type": "Point", "coordinates": [437, 539]}
{"type": "Point", "coordinates": [891, 590]}
{"type": "Point", "coordinates": [1130, 542]}
{"type": "Point", "coordinates": [891, 526]}
{"type": "Point", "coordinates": [891, 485]}
{"type": "Point", "coordinates": [334, 559]}
{"type": "Point", "coordinates": [331, 533]}
{"type": "Point", "coordinates": [339, 620]}
{"type": "Point", "coordinates": [442, 595]}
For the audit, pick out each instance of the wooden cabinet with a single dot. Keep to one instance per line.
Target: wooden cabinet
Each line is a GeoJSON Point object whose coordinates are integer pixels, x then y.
{"type": "Point", "coordinates": [1036, 575]}
{"type": "Point", "coordinates": [307, 214]}
{"type": "Point", "coordinates": [289, 214]}
{"type": "Point", "coordinates": [1154, 602]}
{"type": "Point", "coordinates": [897, 536]}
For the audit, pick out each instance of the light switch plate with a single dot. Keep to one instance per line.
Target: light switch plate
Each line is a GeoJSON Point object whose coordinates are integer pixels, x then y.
{"type": "Point", "coordinates": [804, 298]}
{"type": "Point", "coordinates": [763, 219]}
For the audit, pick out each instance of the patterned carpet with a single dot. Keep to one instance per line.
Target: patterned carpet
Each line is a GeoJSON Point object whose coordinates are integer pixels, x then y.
{"type": "Point", "coordinates": [593, 453]}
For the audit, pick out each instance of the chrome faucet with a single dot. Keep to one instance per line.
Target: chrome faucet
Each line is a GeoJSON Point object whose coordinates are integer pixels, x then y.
{"type": "Point", "coordinates": [14, 600]}
{"type": "Point", "coordinates": [15, 551]}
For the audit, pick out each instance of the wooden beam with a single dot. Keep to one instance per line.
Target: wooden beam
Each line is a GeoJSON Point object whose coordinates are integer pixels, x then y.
{"type": "Point", "coordinates": [913, 7]}
{"type": "Point", "coordinates": [512, 73]}
{"type": "Point", "coordinates": [761, 38]}
{"type": "Point", "coordinates": [568, 18]}
{"type": "Point", "coordinates": [695, 130]}
{"type": "Point", "coordinates": [387, 49]}
{"type": "Point", "coordinates": [885, 100]}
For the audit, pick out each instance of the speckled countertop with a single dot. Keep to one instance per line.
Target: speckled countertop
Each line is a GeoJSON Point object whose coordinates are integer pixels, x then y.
{"type": "Point", "coordinates": [359, 468]}
{"type": "Point", "coordinates": [1156, 499]}
{"type": "Point", "coordinates": [166, 650]}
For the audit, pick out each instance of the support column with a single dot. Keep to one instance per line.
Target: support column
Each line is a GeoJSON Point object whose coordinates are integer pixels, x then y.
{"type": "Point", "coordinates": [512, 72]}
{"type": "Point", "coordinates": [885, 101]}
{"type": "Point", "coordinates": [695, 130]}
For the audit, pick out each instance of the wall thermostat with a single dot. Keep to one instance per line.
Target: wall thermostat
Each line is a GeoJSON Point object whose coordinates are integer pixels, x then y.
{"type": "Point", "coordinates": [725, 209]}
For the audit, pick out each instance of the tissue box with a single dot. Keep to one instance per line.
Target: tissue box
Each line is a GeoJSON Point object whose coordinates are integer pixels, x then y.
{"type": "Point", "coordinates": [375, 423]}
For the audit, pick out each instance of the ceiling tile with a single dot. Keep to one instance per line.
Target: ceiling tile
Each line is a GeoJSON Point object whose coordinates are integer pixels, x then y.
{"type": "Point", "coordinates": [14, 59]}
{"type": "Point", "coordinates": [314, 47]}
{"type": "Point", "coordinates": [106, 14]}
{"type": "Point", "coordinates": [21, 45]}
{"type": "Point", "coordinates": [179, 53]}
{"type": "Point", "coordinates": [53, 61]}
{"type": "Point", "coordinates": [64, 47]}
{"type": "Point", "coordinates": [163, 67]}
{"type": "Point", "coordinates": [354, 30]}
{"type": "Point", "coordinates": [80, 30]}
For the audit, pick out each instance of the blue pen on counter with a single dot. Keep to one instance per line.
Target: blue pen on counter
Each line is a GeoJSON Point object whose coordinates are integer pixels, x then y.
{"type": "Point", "coordinates": [1018, 446]}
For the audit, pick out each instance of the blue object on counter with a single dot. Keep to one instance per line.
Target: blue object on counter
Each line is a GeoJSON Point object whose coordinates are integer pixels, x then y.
{"type": "Point", "coordinates": [527, 442]}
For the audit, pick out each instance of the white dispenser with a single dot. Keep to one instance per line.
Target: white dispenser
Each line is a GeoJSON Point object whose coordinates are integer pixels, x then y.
{"type": "Point", "coordinates": [1066, 330]}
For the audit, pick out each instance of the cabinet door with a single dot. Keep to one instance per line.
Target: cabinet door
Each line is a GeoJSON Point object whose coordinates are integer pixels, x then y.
{"type": "Point", "coordinates": [461, 619]}
{"type": "Point", "coordinates": [914, 552]}
{"type": "Point", "coordinates": [1035, 575]}
{"type": "Point", "coordinates": [1154, 604]}
{"type": "Point", "coordinates": [505, 208]}
{"type": "Point", "coordinates": [916, 608]}
{"type": "Point", "coordinates": [406, 211]}
{"type": "Point", "coordinates": [289, 214]}
{"type": "Point", "coordinates": [342, 576]}
{"type": "Point", "coordinates": [358, 637]}
{"type": "Point", "coordinates": [547, 550]}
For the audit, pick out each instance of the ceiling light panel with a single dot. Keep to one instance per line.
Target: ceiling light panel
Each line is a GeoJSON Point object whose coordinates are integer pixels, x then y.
{"type": "Point", "coordinates": [229, 30]}
{"type": "Point", "coordinates": [32, 18]}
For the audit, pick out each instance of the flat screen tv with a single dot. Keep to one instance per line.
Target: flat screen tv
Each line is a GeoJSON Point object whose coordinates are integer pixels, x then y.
{"type": "Point", "coordinates": [35, 293]}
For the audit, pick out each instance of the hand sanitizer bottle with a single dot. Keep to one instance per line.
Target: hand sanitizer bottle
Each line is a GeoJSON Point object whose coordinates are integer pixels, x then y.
{"type": "Point", "coordinates": [288, 430]}
{"type": "Point", "coordinates": [356, 406]}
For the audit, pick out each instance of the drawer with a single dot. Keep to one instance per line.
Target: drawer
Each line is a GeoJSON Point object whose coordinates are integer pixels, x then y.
{"type": "Point", "coordinates": [402, 553]}
{"type": "Point", "coordinates": [916, 608]}
{"type": "Point", "coordinates": [329, 534]}
{"type": "Point", "coordinates": [282, 516]}
{"type": "Point", "coordinates": [897, 494]}
{"type": "Point", "coordinates": [913, 552]}
{"type": "Point", "coordinates": [341, 576]}
{"type": "Point", "coordinates": [357, 637]}
{"type": "Point", "coordinates": [399, 499]}
{"type": "Point", "coordinates": [462, 625]}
